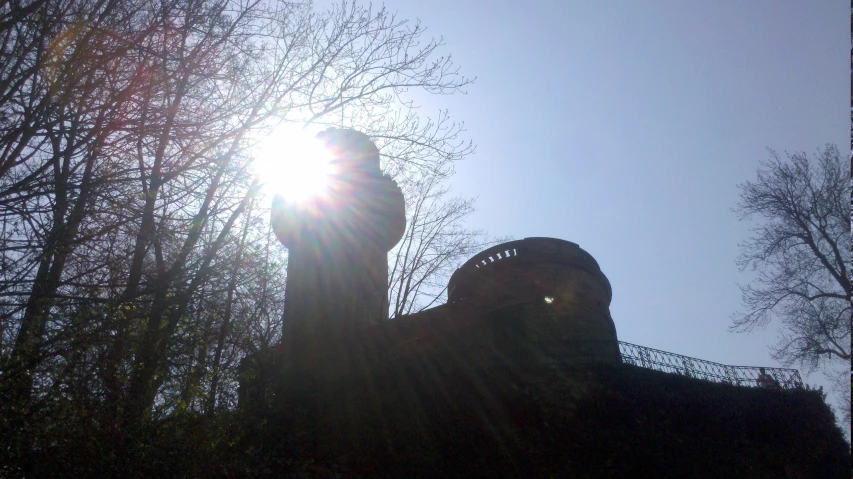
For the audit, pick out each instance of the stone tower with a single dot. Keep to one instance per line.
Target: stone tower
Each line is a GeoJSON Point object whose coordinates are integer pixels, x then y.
{"type": "Point", "coordinates": [545, 299]}
{"type": "Point", "coordinates": [338, 243]}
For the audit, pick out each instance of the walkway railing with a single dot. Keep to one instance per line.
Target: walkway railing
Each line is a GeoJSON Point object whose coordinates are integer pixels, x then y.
{"type": "Point", "coordinates": [736, 375]}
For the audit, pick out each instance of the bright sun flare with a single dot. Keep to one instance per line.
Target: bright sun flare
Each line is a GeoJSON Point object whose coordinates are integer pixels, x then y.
{"type": "Point", "coordinates": [291, 162]}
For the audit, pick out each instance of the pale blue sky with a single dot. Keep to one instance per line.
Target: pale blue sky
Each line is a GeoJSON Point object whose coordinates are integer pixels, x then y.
{"type": "Point", "coordinates": [626, 126]}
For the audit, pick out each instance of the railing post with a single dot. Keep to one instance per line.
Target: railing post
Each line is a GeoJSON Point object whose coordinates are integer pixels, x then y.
{"type": "Point", "coordinates": [688, 366]}
{"type": "Point", "coordinates": [730, 374]}
{"type": "Point", "coordinates": [644, 358]}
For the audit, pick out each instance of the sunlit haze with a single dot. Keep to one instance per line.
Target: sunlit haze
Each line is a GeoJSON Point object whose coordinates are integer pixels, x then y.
{"type": "Point", "coordinates": [291, 162]}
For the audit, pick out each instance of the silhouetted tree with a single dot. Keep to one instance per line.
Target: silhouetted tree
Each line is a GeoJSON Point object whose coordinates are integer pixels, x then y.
{"type": "Point", "coordinates": [435, 243]}
{"type": "Point", "coordinates": [800, 253]}
{"type": "Point", "coordinates": [136, 262]}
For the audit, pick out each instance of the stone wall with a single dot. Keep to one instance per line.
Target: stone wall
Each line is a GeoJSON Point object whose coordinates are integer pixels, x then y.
{"type": "Point", "coordinates": [445, 413]}
{"type": "Point", "coordinates": [540, 291]}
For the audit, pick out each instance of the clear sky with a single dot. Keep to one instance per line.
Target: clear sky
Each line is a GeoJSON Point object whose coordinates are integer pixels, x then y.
{"type": "Point", "coordinates": [625, 126]}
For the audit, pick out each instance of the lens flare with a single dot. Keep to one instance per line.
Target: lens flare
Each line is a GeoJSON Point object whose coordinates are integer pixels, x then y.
{"type": "Point", "coordinates": [291, 162]}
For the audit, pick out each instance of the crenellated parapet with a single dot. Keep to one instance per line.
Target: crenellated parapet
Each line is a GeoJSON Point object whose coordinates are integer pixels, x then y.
{"type": "Point", "coordinates": [542, 293]}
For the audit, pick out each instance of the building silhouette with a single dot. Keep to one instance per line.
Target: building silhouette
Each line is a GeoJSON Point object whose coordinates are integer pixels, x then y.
{"type": "Point", "coordinates": [519, 374]}
{"type": "Point", "coordinates": [338, 245]}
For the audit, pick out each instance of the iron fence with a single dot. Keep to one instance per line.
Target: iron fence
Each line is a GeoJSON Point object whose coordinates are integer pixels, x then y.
{"type": "Point", "coordinates": [736, 375]}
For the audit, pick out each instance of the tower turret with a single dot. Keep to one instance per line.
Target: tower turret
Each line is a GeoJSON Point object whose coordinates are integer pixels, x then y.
{"type": "Point", "coordinates": [541, 294]}
{"type": "Point", "coordinates": [338, 243]}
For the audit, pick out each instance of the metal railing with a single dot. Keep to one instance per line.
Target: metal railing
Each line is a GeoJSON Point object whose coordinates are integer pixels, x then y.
{"type": "Point", "coordinates": [720, 373]}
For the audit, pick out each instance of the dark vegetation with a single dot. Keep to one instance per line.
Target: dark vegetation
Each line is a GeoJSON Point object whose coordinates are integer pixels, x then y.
{"type": "Point", "coordinates": [433, 416]}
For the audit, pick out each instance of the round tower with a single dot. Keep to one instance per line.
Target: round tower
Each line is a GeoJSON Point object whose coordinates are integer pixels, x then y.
{"type": "Point", "coordinates": [543, 295]}
{"type": "Point", "coordinates": [338, 243]}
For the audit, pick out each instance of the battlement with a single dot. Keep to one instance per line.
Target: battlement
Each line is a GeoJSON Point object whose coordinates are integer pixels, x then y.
{"type": "Point", "coordinates": [523, 261]}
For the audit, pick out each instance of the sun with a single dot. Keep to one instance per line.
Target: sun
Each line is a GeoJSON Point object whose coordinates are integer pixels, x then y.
{"type": "Point", "coordinates": [293, 163]}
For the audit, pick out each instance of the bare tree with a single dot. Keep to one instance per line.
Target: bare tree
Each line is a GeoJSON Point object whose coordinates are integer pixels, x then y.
{"type": "Point", "coordinates": [131, 277]}
{"type": "Point", "coordinates": [434, 244]}
{"type": "Point", "coordinates": [800, 253]}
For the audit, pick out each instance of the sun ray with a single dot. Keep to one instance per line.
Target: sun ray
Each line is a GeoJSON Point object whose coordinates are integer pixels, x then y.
{"type": "Point", "coordinates": [293, 163]}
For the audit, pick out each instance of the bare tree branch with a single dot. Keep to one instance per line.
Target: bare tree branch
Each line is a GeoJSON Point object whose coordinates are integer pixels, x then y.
{"type": "Point", "coordinates": [800, 253]}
